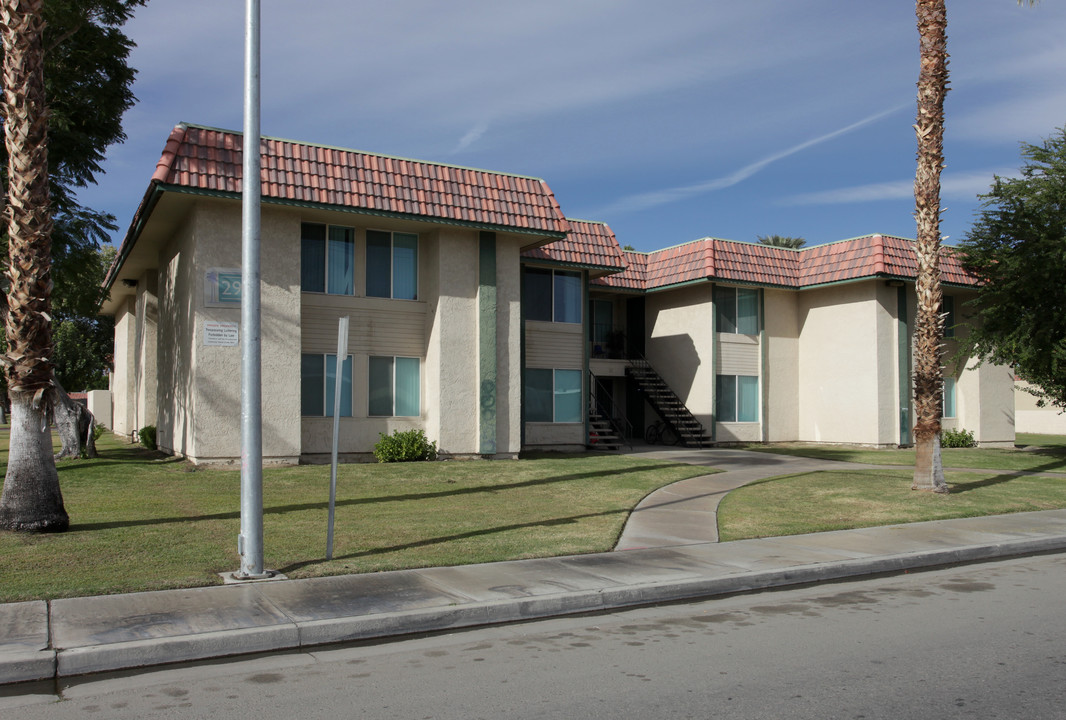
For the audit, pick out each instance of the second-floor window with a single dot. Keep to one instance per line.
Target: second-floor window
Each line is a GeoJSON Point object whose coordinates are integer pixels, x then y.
{"type": "Point", "coordinates": [391, 265]}
{"type": "Point", "coordinates": [736, 310]}
{"type": "Point", "coordinates": [327, 259]}
{"type": "Point", "coordinates": [552, 295]}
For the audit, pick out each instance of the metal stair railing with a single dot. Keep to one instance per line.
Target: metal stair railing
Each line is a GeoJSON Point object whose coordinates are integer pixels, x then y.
{"type": "Point", "coordinates": [621, 427]}
{"type": "Point", "coordinates": [666, 403]}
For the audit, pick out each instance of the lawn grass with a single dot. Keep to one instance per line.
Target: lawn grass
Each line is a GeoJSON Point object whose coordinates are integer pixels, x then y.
{"type": "Point", "coordinates": [838, 500]}
{"type": "Point", "coordinates": [143, 521]}
{"type": "Point", "coordinates": [1035, 453]}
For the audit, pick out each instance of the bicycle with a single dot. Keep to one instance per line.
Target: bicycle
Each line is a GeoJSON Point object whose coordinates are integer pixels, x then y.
{"type": "Point", "coordinates": [661, 432]}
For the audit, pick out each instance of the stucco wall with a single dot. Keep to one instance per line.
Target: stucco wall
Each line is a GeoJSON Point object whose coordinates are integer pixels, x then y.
{"type": "Point", "coordinates": [680, 346]}
{"type": "Point", "coordinates": [122, 379]}
{"type": "Point", "coordinates": [176, 409]}
{"type": "Point", "coordinates": [457, 394]}
{"type": "Point", "coordinates": [984, 398]}
{"type": "Point", "coordinates": [1030, 418]}
{"type": "Point", "coordinates": [565, 437]}
{"type": "Point", "coordinates": [145, 384]}
{"type": "Point", "coordinates": [846, 361]}
{"type": "Point", "coordinates": [207, 419]}
{"type": "Point", "coordinates": [780, 383]}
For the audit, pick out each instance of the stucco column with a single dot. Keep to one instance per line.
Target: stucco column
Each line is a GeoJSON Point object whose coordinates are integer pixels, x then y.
{"type": "Point", "coordinates": [487, 307]}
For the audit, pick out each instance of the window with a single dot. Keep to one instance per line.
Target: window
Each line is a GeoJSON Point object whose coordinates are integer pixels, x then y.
{"type": "Point", "coordinates": [949, 397]}
{"type": "Point", "coordinates": [327, 259]}
{"type": "Point", "coordinates": [391, 265]}
{"type": "Point", "coordinates": [553, 396]}
{"type": "Point", "coordinates": [318, 377]}
{"type": "Point", "coordinates": [947, 307]}
{"type": "Point", "coordinates": [601, 322]}
{"type": "Point", "coordinates": [737, 398]}
{"type": "Point", "coordinates": [395, 387]}
{"type": "Point", "coordinates": [552, 295]}
{"type": "Point", "coordinates": [736, 310]}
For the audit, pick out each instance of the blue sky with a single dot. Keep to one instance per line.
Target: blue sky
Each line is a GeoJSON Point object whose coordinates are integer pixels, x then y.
{"type": "Point", "coordinates": [670, 121]}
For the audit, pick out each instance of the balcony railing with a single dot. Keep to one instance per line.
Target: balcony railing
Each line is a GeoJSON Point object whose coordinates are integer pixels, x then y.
{"type": "Point", "coordinates": [608, 343]}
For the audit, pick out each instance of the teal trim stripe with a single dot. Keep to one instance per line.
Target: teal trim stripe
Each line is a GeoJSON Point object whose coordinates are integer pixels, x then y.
{"type": "Point", "coordinates": [763, 367]}
{"type": "Point", "coordinates": [903, 342]}
{"type": "Point", "coordinates": [487, 341]}
{"type": "Point", "coordinates": [714, 367]}
{"type": "Point", "coordinates": [586, 396]}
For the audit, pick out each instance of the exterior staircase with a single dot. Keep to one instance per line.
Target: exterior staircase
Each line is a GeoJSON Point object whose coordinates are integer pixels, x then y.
{"type": "Point", "coordinates": [608, 428]}
{"type": "Point", "coordinates": [667, 404]}
{"type": "Point", "coordinates": [602, 436]}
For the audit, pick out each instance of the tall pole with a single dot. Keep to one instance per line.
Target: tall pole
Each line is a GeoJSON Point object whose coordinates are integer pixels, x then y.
{"type": "Point", "coordinates": [250, 542]}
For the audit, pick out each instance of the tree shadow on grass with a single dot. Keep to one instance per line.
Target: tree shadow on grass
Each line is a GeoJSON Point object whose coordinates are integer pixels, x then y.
{"type": "Point", "coordinates": [550, 522]}
{"type": "Point", "coordinates": [959, 488]}
{"type": "Point", "coordinates": [281, 509]}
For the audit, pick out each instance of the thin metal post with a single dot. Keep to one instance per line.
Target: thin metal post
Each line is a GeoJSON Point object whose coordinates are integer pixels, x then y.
{"type": "Point", "coordinates": [250, 542]}
{"type": "Point", "coordinates": [338, 382]}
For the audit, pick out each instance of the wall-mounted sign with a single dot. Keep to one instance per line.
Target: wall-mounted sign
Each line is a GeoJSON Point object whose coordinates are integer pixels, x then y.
{"type": "Point", "coordinates": [222, 287]}
{"type": "Point", "coordinates": [221, 334]}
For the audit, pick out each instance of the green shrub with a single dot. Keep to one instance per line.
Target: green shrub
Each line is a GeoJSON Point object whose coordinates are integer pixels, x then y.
{"type": "Point", "coordinates": [405, 446]}
{"type": "Point", "coordinates": [147, 436]}
{"type": "Point", "coordinates": [98, 430]}
{"type": "Point", "coordinates": [957, 439]}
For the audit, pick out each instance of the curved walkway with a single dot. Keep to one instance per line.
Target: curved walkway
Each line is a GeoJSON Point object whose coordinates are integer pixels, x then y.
{"type": "Point", "coordinates": [686, 512]}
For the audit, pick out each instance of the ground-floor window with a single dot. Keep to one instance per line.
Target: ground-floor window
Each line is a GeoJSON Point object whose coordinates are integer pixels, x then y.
{"type": "Point", "coordinates": [318, 378]}
{"type": "Point", "coordinates": [949, 397]}
{"type": "Point", "coordinates": [395, 387]}
{"type": "Point", "coordinates": [737, 398]}
{"type": "Point", "coordinates": [553, 395]}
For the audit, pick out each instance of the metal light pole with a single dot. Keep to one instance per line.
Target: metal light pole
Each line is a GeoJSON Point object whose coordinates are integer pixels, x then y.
{"type": "Point", "coordinates": [250, 541]}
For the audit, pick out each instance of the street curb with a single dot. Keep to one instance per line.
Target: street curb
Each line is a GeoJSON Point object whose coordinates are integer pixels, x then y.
{"type": "Point", "coordinates": [23, 665]}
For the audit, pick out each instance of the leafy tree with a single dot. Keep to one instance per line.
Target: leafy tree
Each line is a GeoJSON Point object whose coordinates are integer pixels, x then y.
{"type": "Point", "coordinates": [928, 322]}
{"type": "Point", "coordinates": [88, 88]}
{"type": "Point", "coordinates": [83, 340]}
{"type": "Point", "coordinates": [782, 241]}
{"type": "Point", "coordinates": [80, 65]}
{"type": "Point", "coordinates": [1017, 247]}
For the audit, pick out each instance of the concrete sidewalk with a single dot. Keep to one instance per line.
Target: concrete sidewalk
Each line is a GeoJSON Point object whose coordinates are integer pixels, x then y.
{"type": "Point", "coordinates": [85, 635]}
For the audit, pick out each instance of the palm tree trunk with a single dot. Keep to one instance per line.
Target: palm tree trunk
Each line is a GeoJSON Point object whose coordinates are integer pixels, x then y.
{"type": "Point", "coordinates": [929, 323]}
{"type": "Point", "coordinates": [31, 499]}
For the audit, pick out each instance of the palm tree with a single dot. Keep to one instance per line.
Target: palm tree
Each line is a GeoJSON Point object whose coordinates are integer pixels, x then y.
{"type": "Point", "coordinates": [31, 499]}
{"type": "Point", "coordinates": [929, 322]}
{"type": "Point", "coordinates": [782, 241]}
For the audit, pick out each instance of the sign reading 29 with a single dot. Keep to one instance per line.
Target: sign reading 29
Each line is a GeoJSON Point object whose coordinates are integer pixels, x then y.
{"type": "Point", "coordinates": [222, 287]}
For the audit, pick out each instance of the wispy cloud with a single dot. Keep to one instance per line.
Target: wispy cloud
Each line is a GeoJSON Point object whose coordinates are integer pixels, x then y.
{"type": "Point", "coordinates": [472, 136]}
{"type": "Point", "coordinates": [952, 185]}
{"type": "Point", "coordinates": [655, 198]}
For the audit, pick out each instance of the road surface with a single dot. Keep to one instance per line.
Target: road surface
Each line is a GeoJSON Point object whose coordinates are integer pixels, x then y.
{"type": "Point", "coordinates": [980, 641]}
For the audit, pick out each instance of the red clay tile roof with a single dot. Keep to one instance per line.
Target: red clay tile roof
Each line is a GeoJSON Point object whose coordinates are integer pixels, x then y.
{"type": "Point", "coordinates": [209, 159]}
{"type": "Point", "coordinates": [588, 243]}
{"type": "Point", "coordinates": [712, 259]}
{"type": "Point", "coordinates": [634, 277]}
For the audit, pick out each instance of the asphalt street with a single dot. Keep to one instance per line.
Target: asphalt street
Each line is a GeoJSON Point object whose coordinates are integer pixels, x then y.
{"type": "Point", "coordinates": [984, 640]}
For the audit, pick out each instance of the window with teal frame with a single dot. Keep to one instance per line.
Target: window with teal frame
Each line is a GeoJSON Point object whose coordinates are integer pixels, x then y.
{"type": "Point", "coordinates": [737, 398]}
{"type": "Point", "coordinates": [327, 259]}
{"type": "Point", "coordinates": [551, 295]}
{"type": "Point", "coordinates": [553, 396]}
{"type": "Point", "coordinates": [395, 387]}
{"type": "Point", "coordinates": [318, 378]}
{"type": "Point", "coordinates": [391, 265]}
{"type": "Point", "coordinates": [949, 397]}
{"type": "Point", "coordinates": [947, 307]}
{"type": "Point", "coordinates": [736, 310]}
